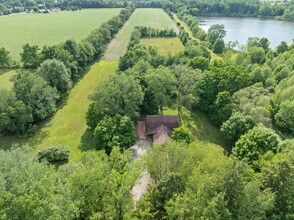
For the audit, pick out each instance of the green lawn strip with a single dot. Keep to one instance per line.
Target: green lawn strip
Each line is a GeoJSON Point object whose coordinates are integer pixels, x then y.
{"type": "Point", "coordinates": [50, 29]}
{"type": "Point", "coordinates": [155, 18]}
{"type": "Point", "coordinates": [164, 46]}
{"type": "Point", "coordinates": [68, 125]}
{"type": "Point", "coordinates": [5, 78]}
{"type": "Point", "coordinates": [214, 56]}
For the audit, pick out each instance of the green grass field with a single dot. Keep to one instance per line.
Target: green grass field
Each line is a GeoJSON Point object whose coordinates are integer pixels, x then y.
{"type": "Point", "coordinates": [49, 29]}
{"type": "Point", "coordinates": [5, 78]}
{"type": "Point", "coordinates": [155, 18]}
{"type": "Point", "coordinates": [164, 45]}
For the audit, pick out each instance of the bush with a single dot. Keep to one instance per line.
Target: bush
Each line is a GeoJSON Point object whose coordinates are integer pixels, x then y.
{"type": "Point", "coordinates": [181, 134]}
{"type": "Point", "coordinates": [54, 154]}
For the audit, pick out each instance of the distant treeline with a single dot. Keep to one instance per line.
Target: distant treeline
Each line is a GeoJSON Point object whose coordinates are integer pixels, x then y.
{"type": "Point", "coordinates": [282, 11]}
{"type": "Point", "coordinates": [38, 91]}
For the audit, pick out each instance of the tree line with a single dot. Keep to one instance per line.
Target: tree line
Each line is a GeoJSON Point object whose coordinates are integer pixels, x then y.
{"type": "Point", "coordinates": [49, 75]}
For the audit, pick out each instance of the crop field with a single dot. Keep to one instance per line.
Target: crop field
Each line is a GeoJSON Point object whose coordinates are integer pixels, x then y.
{"type": "Point", "coordinates": [49, 29]}
{"type": "Point", "coordinates": [155, 18]}
{"type": "Point", "coordinates": [164, 45]}
{"type": "Point", "coordinates": [5, 79]}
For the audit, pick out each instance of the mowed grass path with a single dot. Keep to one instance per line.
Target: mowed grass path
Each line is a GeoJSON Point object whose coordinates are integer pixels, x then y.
{"type": "Point", "coordinates": [49, 29]}
{"type": "Point", "coordinates": [5, 79]}
{"type": "Point", "coordinates": [164, 46]}
{"type": "Point", "coordinates": [155, 18]}
{"type": "Point", "coordinates": [69, 124]}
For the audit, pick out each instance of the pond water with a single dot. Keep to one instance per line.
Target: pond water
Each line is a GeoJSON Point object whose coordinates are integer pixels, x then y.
{"type": "Point", "coordinates": [241, 28]}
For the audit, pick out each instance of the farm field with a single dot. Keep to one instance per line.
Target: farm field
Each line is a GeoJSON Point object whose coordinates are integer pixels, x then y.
{"type": "Point", "coordinates": [155, 18]}
{"type": "Point", "coordinates": [49, 29]}
{"type": "Point", "coordinates": [5, 79]}
{"type": "Point", "coordinates": [164, 45]}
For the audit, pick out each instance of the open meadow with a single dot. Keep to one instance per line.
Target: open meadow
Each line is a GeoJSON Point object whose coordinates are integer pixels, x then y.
{"type": "Point", "coordinates": [49, 29]}
{"type": "Point", "coordinates": [155, 18]}
{"type": "Point", "coordinates": [5, 78]}
{"type": "Point", "coordinates": [164, 46]}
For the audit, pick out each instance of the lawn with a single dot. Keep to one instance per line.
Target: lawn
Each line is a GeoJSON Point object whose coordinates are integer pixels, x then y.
{"type": "Point", "coordinates": [68, 124]}
{"type": "Point", "coordinates": [165, 46]}
{"type": "Point", "coordinates": [5, 78]}
{"type": "Point", "coordinates": [49, 29]}
{"type": "Point", "coordinates": [155, 18]}
{"type": "Point", "coordinates": [200, 126]}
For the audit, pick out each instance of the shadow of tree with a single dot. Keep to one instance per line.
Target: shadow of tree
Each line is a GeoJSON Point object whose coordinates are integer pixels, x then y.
{"type": "Point", "coordinates": [87, 141]}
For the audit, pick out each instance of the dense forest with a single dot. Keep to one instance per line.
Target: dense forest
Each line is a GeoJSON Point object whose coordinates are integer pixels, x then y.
{"type": "Point", "coordinates": [247, 94]}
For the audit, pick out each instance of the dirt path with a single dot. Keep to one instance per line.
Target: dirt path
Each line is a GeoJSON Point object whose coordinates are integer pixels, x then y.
{"type": "Point", "coordinates": [141, 186]}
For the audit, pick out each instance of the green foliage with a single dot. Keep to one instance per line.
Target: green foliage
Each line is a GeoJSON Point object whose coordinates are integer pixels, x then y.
{"type": "Point", "coordinates": [30, 56]}
{"type": "Point", "coordinates": [5, 60]}
{"type": "Point", "coordinates": [257, 55]}
{"type": "Point", "coordinates": [282, 47]}
{"type": "Point", "coordinates": [32, 190]}
{"type": "Point", "coordinates": [162, 83]}
{"type": "Point", "coordinates": [54, 154]}
{"type": "Point", "coordinates": [237, 125]}
{"type": "Point", "coordinates": [278, 173]}
{"type": "Point", "coordinates": [100, 187]}
{"type": "Point", "coordinates": [56, 74]}
{"type": "Point", "coordinates": [118, 131]}
{"type": "Point", "coordinates": [215, 32]}
{"type": "Point", "coordinates": [199, 63]}
{"type": "Point", "coordinates": [220, 78]}
{"type": "Point", "coordinates": [199, 176]}
{"type": "Point", "coordinates": [254, 101]}
{"type": "Point", "coordinates": [258, 42]}
{"type": "Point", "coordinates": [285, 117]}
{"type": "Point", "coordinates": [15, 116]}
{"type": "Point", "coordinates": [219, 46]}
{"type": "Point", "coordinates": [121, 94]}
{"type": "Point", "coordinates": [153, 32]}
{"type": "Point", "coordinates": [222, 107]}
{"type": "Point", "coordinates": [186, 78]}
{"type": "Point", "coordinates": [35, 92]}
{"type": "Point", "coordinates": [255, 143]}
{"type": "Point", "coordinates": [181, 134]}
{"type": "Point", "coordinates": [95, 187]}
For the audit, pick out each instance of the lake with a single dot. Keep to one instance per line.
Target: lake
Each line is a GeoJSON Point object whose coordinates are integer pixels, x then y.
{"type": "Point", "coordinates": [241, 28]}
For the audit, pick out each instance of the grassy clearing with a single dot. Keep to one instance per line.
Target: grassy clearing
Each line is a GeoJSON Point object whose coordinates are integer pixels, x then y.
{"type": "Point", "coordinates": [5, 78]}
{"type": "Point", "coordinates": [164, 45]}
{"type": "Point", "coordinates": [202, 128]}
{"type": "Point", "coordinates": [49, 29]}
{"type": "Point", "coordinates": [68, 125]}
{"type": "Point", "coordinates": [155, 18]}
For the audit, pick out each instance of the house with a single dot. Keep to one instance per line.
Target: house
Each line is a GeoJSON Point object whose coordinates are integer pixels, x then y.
{"type": "Point", "coordinates": [157, 128]}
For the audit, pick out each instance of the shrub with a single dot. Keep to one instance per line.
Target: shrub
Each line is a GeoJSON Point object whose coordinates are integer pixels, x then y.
{"type": "Point", "coordinates": [54, 153]}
